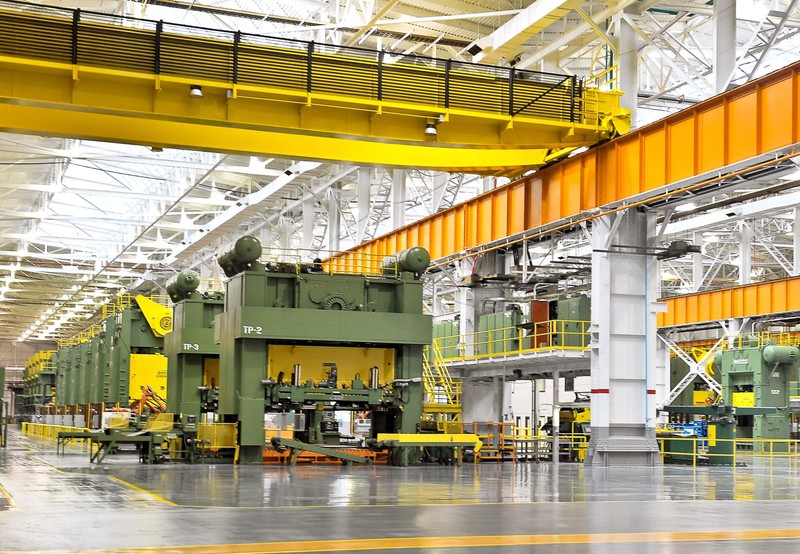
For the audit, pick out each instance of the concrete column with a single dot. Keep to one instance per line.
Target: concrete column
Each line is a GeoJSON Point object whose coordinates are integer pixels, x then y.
{"type": "Point", "coordinates": [550, 64]}
{"type": "Point", "coordinates": [796, 242]}
{"type": "Point", "coordinates": [724, 22]}
{"type": "Point", "coordinates": [556, 414]}
{"type": "Point", "coordinates": [623, 356]}
{"type": "Point", "coordinates": [697, 263]}
{"type": "Point", "coordinates": [482, 400]}
{"type": "Point", "coordinates": [364, 201]}
{"type": "Point", "coordinates": [628, 66]}
{"type": "Point", "coordinates": [745, 253]}
{"type": "Point", "coordinates": [334, 220]}
{"type": "Point", "coordinates": [437, 297]}
{"type": "Point", "coordinates": [440, 180]}
{"type": "Point", "coordinates": [265, 236]}
{"type": "Point", "coordinates": [309, 217]}
{"type": "Point", "coordinates": [398, 198]}
{"type": "Point", "coordinates": [286, 232]}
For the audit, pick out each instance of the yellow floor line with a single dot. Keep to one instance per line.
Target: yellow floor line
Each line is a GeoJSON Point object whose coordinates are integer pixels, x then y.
{"type": "Point", "coordinates": [145, 491]}
{"type": "Point", "coordinates": [7, 494]}
{"type": "Point", "coordinates": [484, 541]}
{"type": "Point", "coordinates": [58, 469]}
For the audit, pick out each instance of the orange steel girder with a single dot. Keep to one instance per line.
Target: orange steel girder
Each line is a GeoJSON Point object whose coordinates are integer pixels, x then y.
{"type": "Point", "coordinates": [772, 297]}
{"type": "Point", "coordinates": [756, 119]}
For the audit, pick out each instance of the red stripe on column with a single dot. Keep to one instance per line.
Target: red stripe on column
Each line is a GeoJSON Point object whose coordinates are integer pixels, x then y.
{"type": "Point", "coordinates": [651, 391]}
{"type": "Point", "coordinates": [600, 391]}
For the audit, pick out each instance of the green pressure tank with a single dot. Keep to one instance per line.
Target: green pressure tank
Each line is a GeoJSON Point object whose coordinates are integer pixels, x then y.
{"type": "Point", "coordinates": [415, 260]}
{"type": "Point", "coordinates": [183, 285]}
{"type": "Point", "coordinates": [780, 354]}
{"type": "Point", "coordinates": [246, 251]}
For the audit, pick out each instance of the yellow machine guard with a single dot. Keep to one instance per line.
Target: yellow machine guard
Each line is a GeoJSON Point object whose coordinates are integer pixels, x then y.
{"type": "Point", "coordinates": [414, 439]}
{"type": "Point", "coordinates": [158, 317]}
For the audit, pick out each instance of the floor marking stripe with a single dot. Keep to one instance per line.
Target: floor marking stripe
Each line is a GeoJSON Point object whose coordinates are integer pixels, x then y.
{"type": "Point", "coordinates": [58, 469]}
{"type": "Point", "coordinates": [7, 494]}
{"type": "Point", "coordinates": [145, 491]}
{"type": "Point", "coordinates": [405, 543]}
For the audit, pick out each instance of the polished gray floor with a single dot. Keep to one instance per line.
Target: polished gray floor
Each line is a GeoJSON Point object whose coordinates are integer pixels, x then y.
{"type": "Point", "coordinates": [61, 502]}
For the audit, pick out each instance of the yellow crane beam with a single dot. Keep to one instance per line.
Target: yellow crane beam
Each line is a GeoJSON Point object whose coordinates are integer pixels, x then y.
{"type": "Point", "coordinates": [92, 76]}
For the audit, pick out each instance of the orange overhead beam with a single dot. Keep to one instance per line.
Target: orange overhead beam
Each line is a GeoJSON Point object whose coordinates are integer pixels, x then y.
{"type": "Point", "coordinates": [758, 118]}
{"type": "Point", "coordinates": [773, 297]}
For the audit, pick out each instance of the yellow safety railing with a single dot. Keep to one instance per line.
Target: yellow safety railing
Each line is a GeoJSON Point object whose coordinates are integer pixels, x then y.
{"type": "Point", "coordinates": [696, 450]}
{"type": "Point", "coordinates": [557, 334]}
{"type": "Point", "coordinates": [606, 79]}
{"type": "Point", "coordinates": [48, 431]}
{"type": "Point", "coordinates": [442, 392]}
{"type": "Point", "coordinates": [292, 67]}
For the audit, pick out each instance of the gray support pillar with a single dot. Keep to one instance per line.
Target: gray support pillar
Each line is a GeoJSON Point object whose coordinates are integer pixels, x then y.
{"type": "Point", "coordinates": [482, 400]}
{"type": "Point", "coordinates": [398, 198]}
{"type": "Point", "coordinates": [309, 217]}
{"type": "Point", "coordinates": [488, 183]}
{"type": "Point", "coordinates": [436, 285]}
{"type": "Point", "coordinates": [724, 22]}
{"type": "Point", "coordinates": [334, 220]}
{"type": "Point", "coordinates": [697, 264]}
{"type": "Point", "coordinates": [550, 64]}
{"type": "Point", "coordinates": [796, 242]}
{"type": "Point", "coordinates": [623, 358]}
{"type": "Point", "coordinates": [364, 201]}
{"type": "Point", "coordinates": [628, 66]}
{"type": "Point", "coordinates": [745, 253]}
{"type": "Point", "coordinates": [440, 181]}
{"type": "Point", "coordinates": [556, 415]}
{"type": "Point", "coordinates": [286, 232]}
{"type": "Point", "coordinates": [265, 236]}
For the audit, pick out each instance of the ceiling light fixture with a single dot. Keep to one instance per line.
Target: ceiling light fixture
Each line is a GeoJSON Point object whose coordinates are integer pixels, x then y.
{"type": "Point", "coordinates": [195, 91]}
{"type": "Point", "coordinates": [430, 130]}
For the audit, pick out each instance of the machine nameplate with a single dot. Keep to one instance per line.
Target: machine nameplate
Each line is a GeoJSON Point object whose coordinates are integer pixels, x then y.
{"type": "Point", "coordinates": [252, 330]}
{"type": "Point", "coordinates": [191, 346]}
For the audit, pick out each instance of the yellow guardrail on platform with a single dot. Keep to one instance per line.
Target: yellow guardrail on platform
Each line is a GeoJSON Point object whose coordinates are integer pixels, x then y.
{"type": "Point", "coordinates": [560, 334]}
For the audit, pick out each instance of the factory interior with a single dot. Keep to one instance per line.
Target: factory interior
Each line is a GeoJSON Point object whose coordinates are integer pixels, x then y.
{"type": "Point", "coordinates": [480, 276]}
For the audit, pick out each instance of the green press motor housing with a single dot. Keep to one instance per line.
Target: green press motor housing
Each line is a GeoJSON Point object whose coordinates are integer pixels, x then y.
{"type": "Point", "coordinates": [289, 304]}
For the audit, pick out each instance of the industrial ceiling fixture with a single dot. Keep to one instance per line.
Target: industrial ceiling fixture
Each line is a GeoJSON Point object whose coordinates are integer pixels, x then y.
{"type": "Point", "coordinates": [195, 91]}
{"type": "Point", "coordinates": [430, 130]}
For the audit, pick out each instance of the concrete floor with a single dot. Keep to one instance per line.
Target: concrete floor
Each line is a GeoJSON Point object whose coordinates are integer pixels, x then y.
{"type": "Point", "coordinates": [61, 502]}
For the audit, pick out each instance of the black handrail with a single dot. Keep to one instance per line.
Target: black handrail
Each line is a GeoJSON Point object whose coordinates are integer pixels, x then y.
{"type": "Point", "coordinates": [274, 61]}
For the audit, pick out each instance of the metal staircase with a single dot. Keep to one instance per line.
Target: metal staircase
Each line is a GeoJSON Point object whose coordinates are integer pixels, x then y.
{"type": "Point", "coordinates": [442, 392]}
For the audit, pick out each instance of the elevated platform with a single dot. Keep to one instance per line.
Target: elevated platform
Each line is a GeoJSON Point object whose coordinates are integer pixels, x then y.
{"type": "Point", "coordinates": [96, 76]}
{"type": "Point", "coordinates": [524, 365]}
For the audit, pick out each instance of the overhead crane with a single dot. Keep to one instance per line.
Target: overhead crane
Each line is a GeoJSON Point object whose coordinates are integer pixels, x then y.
{"type": "Point", "coordinates": [94, 76]}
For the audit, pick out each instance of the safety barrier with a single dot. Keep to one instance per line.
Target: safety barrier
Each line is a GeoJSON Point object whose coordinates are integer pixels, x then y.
{"type": "Point", "coordinates": [559, 334]}
{"type": "Point", "coordinates": [50, 432]}
{"type": "Point", "coordinates": [711, 451]}
{"type": "Point", "coordinates": [140, 46]}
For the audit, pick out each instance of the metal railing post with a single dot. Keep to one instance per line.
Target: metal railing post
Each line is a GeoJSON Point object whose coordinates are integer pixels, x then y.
{"type": "Point", "coordinates": [159, 31]}
{"type": "Point", "coordinates": [309, 53]}
{"type": "Point", "coordinates": [512, 73]}
{"type": "Point", "coordinates": [448, 65]}
{"type": "Point", "coordinates": [237, 38]}
{"type": "Point", "coordinates": [76, 18]}
{"type": "Point", "coordinates": [573, 83]}
{"type": "Point", "coordinates": [380, 75]}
